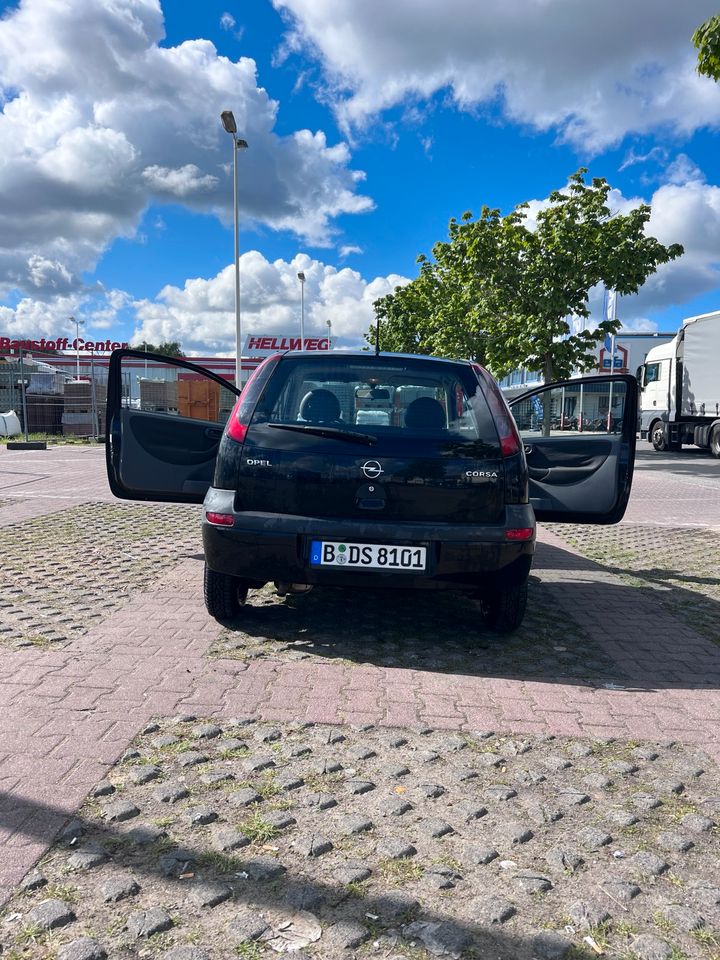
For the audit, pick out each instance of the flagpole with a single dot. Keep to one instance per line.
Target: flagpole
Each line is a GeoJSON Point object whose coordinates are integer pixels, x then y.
{"type": "Point", "coordinates": [612, 362]}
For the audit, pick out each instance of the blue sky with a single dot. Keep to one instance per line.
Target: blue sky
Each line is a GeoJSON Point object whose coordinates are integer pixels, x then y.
{"type": "Point", "coordinates": [369, 126]}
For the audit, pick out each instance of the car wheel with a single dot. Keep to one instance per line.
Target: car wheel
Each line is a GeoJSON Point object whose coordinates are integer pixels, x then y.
{"type": "Point", "coordinates": [224, 595]}
{"type": "Point", "coordinates": [715, 441]}
{"type": "Point", "coordinates": [658, 436]}
{"type": "Point", "coordinates": [504, 610]}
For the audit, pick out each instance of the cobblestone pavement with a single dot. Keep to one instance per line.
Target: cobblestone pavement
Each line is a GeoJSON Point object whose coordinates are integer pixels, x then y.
{"type": "Point", "coordinates": [678, 568]}
{"type": "Point", "coordinates": [441, 633]}
{"type": "Point", "coordinates": [630, 671]}
{"type": "Point", "coordinates": [65, 572]}
{"type": "Point", "coordinates": [381, 842]}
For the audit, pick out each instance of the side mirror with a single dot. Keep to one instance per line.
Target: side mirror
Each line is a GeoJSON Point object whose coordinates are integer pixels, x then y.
{"type": "Point", "coordinates": [640, 375]}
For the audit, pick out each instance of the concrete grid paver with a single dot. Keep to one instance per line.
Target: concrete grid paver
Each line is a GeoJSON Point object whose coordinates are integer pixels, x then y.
{"type": "Point", "coordinates": [79, 707]}
{"type": "Point", "coordinates": [386, 839]}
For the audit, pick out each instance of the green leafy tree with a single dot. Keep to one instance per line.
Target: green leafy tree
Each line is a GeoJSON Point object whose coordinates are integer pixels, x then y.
{"type": "Point", "coordinates": [170, 348]}
{"type": "Point", "coordinates": [706, 40]}
{"type": "Point", "coordinates": [501, 289]}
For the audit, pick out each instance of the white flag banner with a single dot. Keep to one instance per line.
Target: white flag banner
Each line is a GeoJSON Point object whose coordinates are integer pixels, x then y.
{"type": "Point", "coordinates": [611, 305]}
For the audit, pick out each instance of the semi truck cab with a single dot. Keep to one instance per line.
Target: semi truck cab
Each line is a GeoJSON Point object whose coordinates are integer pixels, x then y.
{"type": "Point", "coordinates": [680, 388]}
{"type": "Point", "coordinates": [657, 382]}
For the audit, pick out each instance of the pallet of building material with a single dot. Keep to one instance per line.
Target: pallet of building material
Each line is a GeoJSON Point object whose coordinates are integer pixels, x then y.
{"type": "Point", "coordinates": [77, 388]}
{"type": "Point", "coordinates": [44, 413]}
{"type": "Point", "coordinates": [84, 429]}
{"type": "Point", "coordinates": [198, 398]}
{"type": "Point", "coordinates": [157, 395]}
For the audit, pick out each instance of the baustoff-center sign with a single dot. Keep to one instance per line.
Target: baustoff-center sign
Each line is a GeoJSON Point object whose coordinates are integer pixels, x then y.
{"type": "Point", "coordinates": [258, 345]}
{"type": "Point", "coordinates": [62, 343]}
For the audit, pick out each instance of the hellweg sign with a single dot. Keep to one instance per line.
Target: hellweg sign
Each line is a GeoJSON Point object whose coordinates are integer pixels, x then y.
{"type": "Point", "coordinates": [259, 345]}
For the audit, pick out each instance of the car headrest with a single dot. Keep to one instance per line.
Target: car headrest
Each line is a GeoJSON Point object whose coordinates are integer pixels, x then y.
{"type": "Point", "coordinates": [320, 406]}
{"type": "Point", "coordinates": [425, 413]}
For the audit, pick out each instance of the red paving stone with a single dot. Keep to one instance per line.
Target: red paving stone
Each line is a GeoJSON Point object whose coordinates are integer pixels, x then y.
{"type": "Point", "coordinates": [69, 714]}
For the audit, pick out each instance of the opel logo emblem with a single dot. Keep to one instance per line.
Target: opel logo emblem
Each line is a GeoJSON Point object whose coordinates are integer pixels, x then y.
{"type": "Point", "coordinates": [372, 469]}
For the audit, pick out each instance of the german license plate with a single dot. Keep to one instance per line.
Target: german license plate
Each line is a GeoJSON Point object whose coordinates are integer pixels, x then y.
{"type": "Point", "coordinates": [367, 556]}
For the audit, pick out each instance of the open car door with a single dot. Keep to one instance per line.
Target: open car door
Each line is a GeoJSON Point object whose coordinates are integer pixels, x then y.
{"type": "Point", "coordinates": [579, 439]}
{"type": "Point", "coordinates": [165, 419]}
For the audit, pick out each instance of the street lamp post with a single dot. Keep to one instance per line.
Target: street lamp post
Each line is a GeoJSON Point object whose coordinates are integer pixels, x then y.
{"type": "Point", "coordinates": [301, 278]}
{"type": "Point", "coordinates": [229, 125]}
{"type": "Point", "coordinates": [77, 344]}
{"type": "Point", "coordinates": [329, 326]}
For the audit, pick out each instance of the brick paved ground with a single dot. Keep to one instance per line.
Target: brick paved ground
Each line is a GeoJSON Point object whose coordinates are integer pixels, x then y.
{"type": "Point", "coordinates": [36, 482]}
{"type": "Point", "coordinates": [69, 714]}
{"type": "Point", "coordinates": [675, 489]}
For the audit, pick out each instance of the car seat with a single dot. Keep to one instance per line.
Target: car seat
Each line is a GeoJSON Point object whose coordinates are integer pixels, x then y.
{"type": "Point", "coordinates": [320, 406]}
{"type": "Point", "coordinates": [425, 413]}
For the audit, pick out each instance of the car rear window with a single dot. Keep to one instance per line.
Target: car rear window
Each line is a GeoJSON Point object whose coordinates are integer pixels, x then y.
{"type": "Point", "coordinates": [393, 398]}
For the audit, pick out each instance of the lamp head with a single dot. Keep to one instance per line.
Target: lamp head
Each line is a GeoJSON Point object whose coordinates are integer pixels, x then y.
{"type": "Point", "coordinates": [301, 277]}
{"type": "Point", "coordinates": [228, 121]}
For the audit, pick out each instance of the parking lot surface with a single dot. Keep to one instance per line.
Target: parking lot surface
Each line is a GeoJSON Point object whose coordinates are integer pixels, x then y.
{"type": "Point", "coordinates": [614, 649]}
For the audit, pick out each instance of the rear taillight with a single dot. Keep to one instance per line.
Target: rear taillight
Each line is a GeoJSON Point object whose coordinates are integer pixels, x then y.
{"type": "Point", "coordinates": [239, 419]}
{"type": "Point", "coordinates": [236, 430]}
{"type": "Point", "coordinates": [219, 519]}
{"type": "Point", "coordinates": [504, 422]}
{"type": "Point", "coordinates": [519, 533]}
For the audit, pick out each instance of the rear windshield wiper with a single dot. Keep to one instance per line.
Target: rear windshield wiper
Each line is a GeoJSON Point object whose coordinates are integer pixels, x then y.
{"type": "Point", "coordinates": [332, 433]}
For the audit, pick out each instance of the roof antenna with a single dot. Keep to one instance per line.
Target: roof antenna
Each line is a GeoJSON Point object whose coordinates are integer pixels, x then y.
{"type": "Point", "coordinates": [377, 337]}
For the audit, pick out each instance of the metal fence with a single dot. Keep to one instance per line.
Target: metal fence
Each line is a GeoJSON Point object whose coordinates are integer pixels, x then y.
{"type": "Point", "coordinates": [48, 403]}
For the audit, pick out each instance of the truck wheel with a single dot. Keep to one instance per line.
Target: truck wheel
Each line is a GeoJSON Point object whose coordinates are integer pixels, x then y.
{"type": "Point", "coordinates": [715, 441]}
{"type": "Point", "coordinates": [224, 595]}
{"type": "Point", "coordinates": [658, 436]}
{"type": "Point", "coordinates": [504, 610]}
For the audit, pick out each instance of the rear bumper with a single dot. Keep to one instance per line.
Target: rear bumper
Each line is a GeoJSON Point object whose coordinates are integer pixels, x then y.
{"type": "Point", "coordinates": [276, 547]}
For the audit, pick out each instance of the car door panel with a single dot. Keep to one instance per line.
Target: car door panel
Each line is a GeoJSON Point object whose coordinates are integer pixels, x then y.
{"type": "Point", "coordinates": [565, 467]}
{"type": "Point", "coordinates": [153, 452]}
{"type": "Point", "coordinates": [579, 467]}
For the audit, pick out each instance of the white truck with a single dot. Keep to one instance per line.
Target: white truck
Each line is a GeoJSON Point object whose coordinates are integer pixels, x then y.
{"type": "Point", "coordinates": [680, 388]}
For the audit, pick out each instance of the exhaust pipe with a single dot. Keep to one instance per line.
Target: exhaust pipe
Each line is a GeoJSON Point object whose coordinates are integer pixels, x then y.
{"type": "Point", "coordinates": [283, 588]}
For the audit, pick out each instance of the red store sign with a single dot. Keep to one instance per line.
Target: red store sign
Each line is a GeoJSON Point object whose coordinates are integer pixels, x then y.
{"type": "Point", "coordinates": [261, 345]}
{"type": "Point", "coordinates": [62, 343]}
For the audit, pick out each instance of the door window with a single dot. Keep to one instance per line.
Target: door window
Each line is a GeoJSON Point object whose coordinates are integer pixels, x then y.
{"type": "Point", "coordinates": [573, 409]}
{"type": "Point", "coordinates": [157, 387]}
{"type": "Point", "coordinates": [652, 372]}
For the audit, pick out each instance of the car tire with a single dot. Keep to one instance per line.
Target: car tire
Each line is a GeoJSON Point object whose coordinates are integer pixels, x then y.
{"type": "Point", "coordinates": [504, 610]}
{"type": "Point", "coordinates": [715, 441]}
{"type": "Point", "coordinates": [224, 595]}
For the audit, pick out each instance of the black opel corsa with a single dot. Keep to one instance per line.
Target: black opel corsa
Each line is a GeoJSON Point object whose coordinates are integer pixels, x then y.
{"type": "Point", "coordinates": [363, 470]}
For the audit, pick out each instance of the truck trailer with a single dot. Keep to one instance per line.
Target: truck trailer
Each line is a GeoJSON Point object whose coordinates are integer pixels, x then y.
{"type": "Point", "coordinates": [680, 388]}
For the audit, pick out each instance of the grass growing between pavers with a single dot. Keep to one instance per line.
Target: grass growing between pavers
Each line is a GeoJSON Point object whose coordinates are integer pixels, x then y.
{"type": "Point", "coordinates": [435, 631]}
{"type": "Point", "coordinates": [65, 572]}
{"type": "Point", "coordinates": [351, 867]}
{"type": "Point", "coordinates": [54, 440]}
{"type": "Point", "coordinates": [676, 568]}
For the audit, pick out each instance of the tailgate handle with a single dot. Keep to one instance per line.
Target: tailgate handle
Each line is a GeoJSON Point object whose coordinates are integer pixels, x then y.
{"type": "Point", "coordinates": [528, 449]}
{"type": "Point", "coordinates": [213, 433]}
{"type": "Point", "coordinates": [371, 503]}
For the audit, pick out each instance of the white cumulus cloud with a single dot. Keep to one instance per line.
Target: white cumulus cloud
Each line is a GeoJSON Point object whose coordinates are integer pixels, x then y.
{"type": "Point", "coordinates": [592, 71]}
{"type": "Point", "coordinates": [200, 314]}
{"type": "Point", "coordinates": [99, 119]}
{"type": "Point", "coordinates": [178, 182]}
{"type": "Point", "coordinates": [685, 209]}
